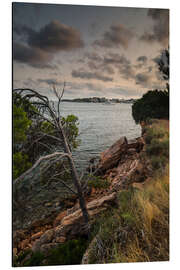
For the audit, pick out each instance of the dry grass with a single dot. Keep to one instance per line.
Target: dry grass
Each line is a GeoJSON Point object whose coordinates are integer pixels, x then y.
{"type": "Point", "coordinates": [138, 229]}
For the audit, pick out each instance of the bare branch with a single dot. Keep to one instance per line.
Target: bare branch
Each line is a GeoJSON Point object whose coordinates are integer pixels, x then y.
{"type": "Point", "coordinates": [68, 187]}
{"type": "Point", "coordinates": [38, 162]}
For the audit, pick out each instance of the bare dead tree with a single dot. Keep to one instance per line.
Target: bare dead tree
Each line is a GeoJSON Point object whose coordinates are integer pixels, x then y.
{"type": "Point", "coordinates": [47, 111]}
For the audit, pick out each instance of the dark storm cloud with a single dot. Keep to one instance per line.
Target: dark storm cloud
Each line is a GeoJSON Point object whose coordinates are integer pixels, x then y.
{"type": "Point", "coordinates": [127, 71]}
{"type": "Point", "coordinates": [90, 75]}
{"type": "Point", "coordinates": [32, 56]}
{"type": "Point", "coordinates": [142, 78]}
{"type": "Point", "coordinates": [117, 35]}
{"type": "Point", "coordinates": [23, 30]}
{"type": "Point", "coordinates": [43, 44]}
{"type": "Point", "coordinates": [114, 58]}
{"type": "Point", "coordinates": [55, 37]}
{"type": "Point", "coordinates": [93, 65]}
{"type": "Point", "coordinates": [160, 31]}
{"type": "Point", "coordinates": [107, 63]}
{"type": "Point", "coordinates": [143, 59]}
{"type": "Point", "coordinates": [156, 59]}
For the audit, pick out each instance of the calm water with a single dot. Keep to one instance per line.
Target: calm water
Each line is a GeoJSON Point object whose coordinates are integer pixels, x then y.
{"type": "Point", "coordinates": [100, 125]}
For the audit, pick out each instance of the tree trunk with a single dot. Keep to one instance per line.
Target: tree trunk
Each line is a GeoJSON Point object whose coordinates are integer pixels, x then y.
{"type": "Point", "coordinates": [75, 177]}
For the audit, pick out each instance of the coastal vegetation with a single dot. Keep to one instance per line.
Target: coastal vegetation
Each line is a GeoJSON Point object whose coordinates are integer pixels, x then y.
{"type": "Point", "coordinates": [155, 103]}
{"type": "Point", "coordinates": [133, 229]}
{"type": "Point", "coordinates": [137, 230]}
{"type": "Point", "coordinates": [34, 136]}
{"type": "Point", "coordinates": [120, 210]}
{"type": "Point", "coordinates": [51, 125]}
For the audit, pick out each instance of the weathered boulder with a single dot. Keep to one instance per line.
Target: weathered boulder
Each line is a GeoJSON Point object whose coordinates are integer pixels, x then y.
{"type": "Point", "coordinates": [137, 144]}
{"type": "Point", "coordinates": [111, 156]}
{"type": "Point", "coordinates": [72, 225]}
{"type": "Point", "coordinates": [36, 235]}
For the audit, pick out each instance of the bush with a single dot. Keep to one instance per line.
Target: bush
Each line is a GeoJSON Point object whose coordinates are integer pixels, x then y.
{"type": "Point", "coordinates": [98, 182]}
{"type": "Point", "coordinates": [21, 124]}
{"type": "Point", "coordinates": [153, 104]}
{"type": "Point", "coordinates": [158, 162]}
{"type": "Point", "coordinates": [153, 132]}
{"type": "Point", "coordinates": [35, 260]}
{"type": "Point", "coordinates": [68, 253]}
{"type": "Point", "coordinates": [157, 145]}
{"type": "Point", "coordinates": [28, 144]}
{"type": "Point", "coordinates": [155, 148]}
{"type": "Point", "coordinates": [20, 164]}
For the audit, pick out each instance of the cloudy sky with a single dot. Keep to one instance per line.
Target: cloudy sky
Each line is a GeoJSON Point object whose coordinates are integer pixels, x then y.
{"type": "Point", "coordinates": [97, 51]}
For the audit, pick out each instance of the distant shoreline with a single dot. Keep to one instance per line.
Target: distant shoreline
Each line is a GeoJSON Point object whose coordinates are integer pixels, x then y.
{"type": "Point", "coordinates": [100, 100]}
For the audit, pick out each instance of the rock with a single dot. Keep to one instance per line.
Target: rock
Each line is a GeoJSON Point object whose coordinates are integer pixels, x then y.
{"type": "Point", "coordinates": [48, 204]}
{"type": "Point", "coordinates": [24, 244]}
{"type": "Point", "coordinates": [58, 219]}
{"type": "Point", "coordinates": [14, 252]}
{"type": "Point", "coordinates": [60, 239]}
{"type": "Point", "coordinates": [111, 156]}
{"type": "Point", "coordinates": [137, 144]}
{"type": "Point", "coordinates": [47, 236]}
{"type": "Point", "coordinates": [36, 235]}
{"type": "Point", "coordinates": [72, 225]}
{"type": "Point", "coordinates": [18, 236]}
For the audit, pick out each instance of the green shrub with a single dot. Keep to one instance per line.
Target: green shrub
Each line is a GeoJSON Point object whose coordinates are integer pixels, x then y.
{"type": "Point", "coordinates": [128, 218]}
{"type": "Point", "coordinates": [68, 253]}
{"type": "Point", "coordinates": [98, 182]}
{"type": "Point", "coordinates": [153, 104]}
{"type": "Point", "coordinates": [158, 162]}
{"type": "Point", "coordinates": [35, 260]}
{"type": "Point", "coordinates": [124, 199]}
{"type": "Point", "coordinates": [153, 132]}
{"type": "Point", "coordinates": [20, 164]}
{"type": "Point", "coordinates": [158, 147]}
{"type": "Point", "coordinates": [155, 148]}
{"type": "Point", "coordinates": [20, 124]}
{"type": "Point", "coordinates": [17, 261]}
{"type": "Point", "coordinates": [70, 125]}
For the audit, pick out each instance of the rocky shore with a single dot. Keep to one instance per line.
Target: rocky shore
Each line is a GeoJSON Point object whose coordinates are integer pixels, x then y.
{"type": "Point", "coordinates": [122, 164]}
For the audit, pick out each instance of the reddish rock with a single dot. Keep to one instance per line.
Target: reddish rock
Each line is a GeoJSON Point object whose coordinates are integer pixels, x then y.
{"type": "Point", "coordinates": [14, 252]}
{"type": "Point", "coordinates": [111, 156]}
{"type": "Point", "coordinates": [24, 244]}
{"type": "Point", "coordinates": [72, 225]}
{"type": "Point", "coordinates": [59, 218]}
{"type": "Point", "coordinates": [60, 239]}
{"type": "Point", "coordinates": [36, 235]}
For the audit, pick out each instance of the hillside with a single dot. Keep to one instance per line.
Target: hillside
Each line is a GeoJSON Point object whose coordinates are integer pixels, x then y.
{"type": "Point", "coordinates": [128, 202]}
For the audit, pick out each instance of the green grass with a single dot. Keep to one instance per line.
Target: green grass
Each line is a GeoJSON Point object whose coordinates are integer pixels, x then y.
{"type": "Point", "coordinates": [69, 253]}
{"type": "Point", "coordinates": [157, 145]}
{"type": "Point", "coordinates": [98, 182]}
{"type": "Point", "coordinates": [138, 230]}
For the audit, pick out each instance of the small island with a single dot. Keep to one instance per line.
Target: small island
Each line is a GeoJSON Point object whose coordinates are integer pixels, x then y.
{"type": "Point", "coordinates": [100, 100]}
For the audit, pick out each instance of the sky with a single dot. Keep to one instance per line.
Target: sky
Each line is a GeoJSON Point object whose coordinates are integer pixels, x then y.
{"type": "Point", "coordinates": [100, 51]}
